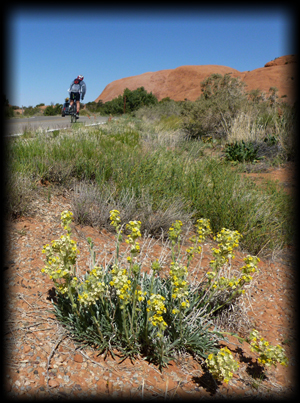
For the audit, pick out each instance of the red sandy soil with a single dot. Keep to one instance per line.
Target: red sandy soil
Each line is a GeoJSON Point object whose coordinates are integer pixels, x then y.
{"type": "Point", "coordinates": [42, 361]}
{"type": "Point", "coordinates": [184, 82]}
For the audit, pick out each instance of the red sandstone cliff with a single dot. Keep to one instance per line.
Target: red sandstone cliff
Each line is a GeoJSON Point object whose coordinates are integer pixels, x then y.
{"type": "Point", "coordinates": [184, 82]}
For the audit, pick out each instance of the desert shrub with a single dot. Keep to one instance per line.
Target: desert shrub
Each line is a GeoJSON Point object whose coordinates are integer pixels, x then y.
{"type": "Point", "coordinates": [271, 129]}
{"type": "Point", "coordinates": [211, 115]}
{"type": "Point", "coordinates": [226, 111]}
{"type": "Point", "coordinates": [120, 306]}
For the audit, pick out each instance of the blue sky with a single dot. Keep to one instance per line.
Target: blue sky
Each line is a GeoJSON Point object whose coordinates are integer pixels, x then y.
{"type": "Point", "coordinates": [48, 48]}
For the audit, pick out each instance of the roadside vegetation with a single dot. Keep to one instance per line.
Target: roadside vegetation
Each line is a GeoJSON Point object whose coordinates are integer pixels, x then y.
{"type": "Point", "coordinates": [171, 160]}
{"type": "Point", "coordinates": [129, 102]}
{"type": "Point", "coordinates": [162, 168]}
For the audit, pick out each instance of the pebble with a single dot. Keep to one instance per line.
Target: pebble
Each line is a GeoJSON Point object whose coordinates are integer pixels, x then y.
{"type": "Point", "coordinates": [78, 358]}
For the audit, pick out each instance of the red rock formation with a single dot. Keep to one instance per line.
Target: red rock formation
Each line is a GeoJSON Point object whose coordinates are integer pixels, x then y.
{"type": "Point", "coordinates": [184, 82]}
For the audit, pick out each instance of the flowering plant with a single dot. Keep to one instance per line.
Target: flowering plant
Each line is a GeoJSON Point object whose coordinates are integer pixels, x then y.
{"type": "Point", "coordinates": [268, 354]}
{"type": "Point", "coordinates": [222, 365]}
{"type": "Point", "coordinates": [119, 306]}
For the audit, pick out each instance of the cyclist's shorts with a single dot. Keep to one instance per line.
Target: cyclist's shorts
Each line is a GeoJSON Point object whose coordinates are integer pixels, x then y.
{"type": "Point", "coordinates": [75, 96]}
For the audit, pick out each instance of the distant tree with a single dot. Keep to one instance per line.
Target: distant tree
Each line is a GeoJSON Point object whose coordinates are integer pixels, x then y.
{"type": "Point", "coordinates": [138, 98]}
{"type": "Point", "coordinates": [131, 100]}
{"type": "Point", "coordinates": [52, 110]}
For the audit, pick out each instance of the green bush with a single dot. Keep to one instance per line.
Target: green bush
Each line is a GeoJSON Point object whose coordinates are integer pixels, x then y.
{"type": "Point", "coordinates": [113, 107]}
{"type": "Point", "coordinates": [52, 110]}
{"type": "Point", "coordinates": [241, 151]}
{"type": "Point", "coordinates": [130, 101]}
{"type": "Point", "coordinates": [94, 106]}
{"type": "Point", "coordinates": [138, 98]}
{"type": "Point", "coordinates": [30, 111]}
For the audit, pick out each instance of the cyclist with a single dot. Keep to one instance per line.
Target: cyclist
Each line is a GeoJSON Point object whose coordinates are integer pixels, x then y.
{"type": "Point", "coordinates": [76, 89]}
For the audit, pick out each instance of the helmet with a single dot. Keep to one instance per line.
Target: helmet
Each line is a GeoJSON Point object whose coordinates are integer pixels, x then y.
{"type": "Point", "coordinates": [67, 99]}
{"type": "Point", "coordinates": [80, 78]}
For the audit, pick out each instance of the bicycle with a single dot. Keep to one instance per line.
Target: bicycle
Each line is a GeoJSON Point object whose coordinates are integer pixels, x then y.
{"type": "Point", "coordinates": [72, 112]}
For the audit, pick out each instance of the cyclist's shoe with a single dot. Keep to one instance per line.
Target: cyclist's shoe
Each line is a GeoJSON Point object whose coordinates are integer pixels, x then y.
{"type": "Point", "coordinates": [77, 115]}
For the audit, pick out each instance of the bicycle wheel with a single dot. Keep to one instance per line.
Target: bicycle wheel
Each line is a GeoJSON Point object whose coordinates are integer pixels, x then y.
{"type": "Point", "coordinates": [73, 114]}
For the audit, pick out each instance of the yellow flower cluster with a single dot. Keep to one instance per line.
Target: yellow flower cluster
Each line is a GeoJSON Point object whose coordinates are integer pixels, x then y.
{"type": "Point", "coordinates": [140, 295]}
{"type": "Point", "coordinates": [234, 283]}
{"type": "Point", "coordinates": [227, 240]}
{"type": "Point", "coordinates": [249, 267]}
{"type": "Point", "coordinates": [175, 231]}
{"type": "Point", "coordinates": [203, 230]}
{"type": "Point", "coordinates": [156, 307]}
{"type": "Point", "coordinates": [134, 227]}
{"type": "Point", "coordinates": [60, 259]}
{"type": "Point", "coordinates": [222, 365]}
{"type": "Point", "coordinates": [178, 274]}
{"type": "Point", "coordinates": [66, 218]}
{"type": "Point", "coordinates": [268, 354]}
{"type": "Point", "coordinates": [115, 219]}
{"type": "Point", "coordinates": [122, 284]}
{"type": "Point", "coordinates": [92, 288]}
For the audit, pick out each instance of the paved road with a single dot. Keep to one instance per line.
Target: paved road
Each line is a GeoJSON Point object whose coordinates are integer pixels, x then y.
{"type": "Point", "coordinates": [19, 125]}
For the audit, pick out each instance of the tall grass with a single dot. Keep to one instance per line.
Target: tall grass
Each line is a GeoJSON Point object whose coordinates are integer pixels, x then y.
{"type": "Point", "coordinates": [120, 158]}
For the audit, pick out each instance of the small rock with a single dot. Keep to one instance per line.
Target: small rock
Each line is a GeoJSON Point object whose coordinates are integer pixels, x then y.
{"type": "Point", "coordinates": [27, 349]}
{"type": "Point", "coordinates": [53, 383]}
{"type": "Point", "coordinates": [78, 358]}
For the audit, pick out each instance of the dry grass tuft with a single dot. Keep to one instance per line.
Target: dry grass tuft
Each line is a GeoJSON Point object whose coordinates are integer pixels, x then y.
{"type": "Point", "coordinates": [19, 189]}
{"type": "Point", "coordinates": [92, 205]}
